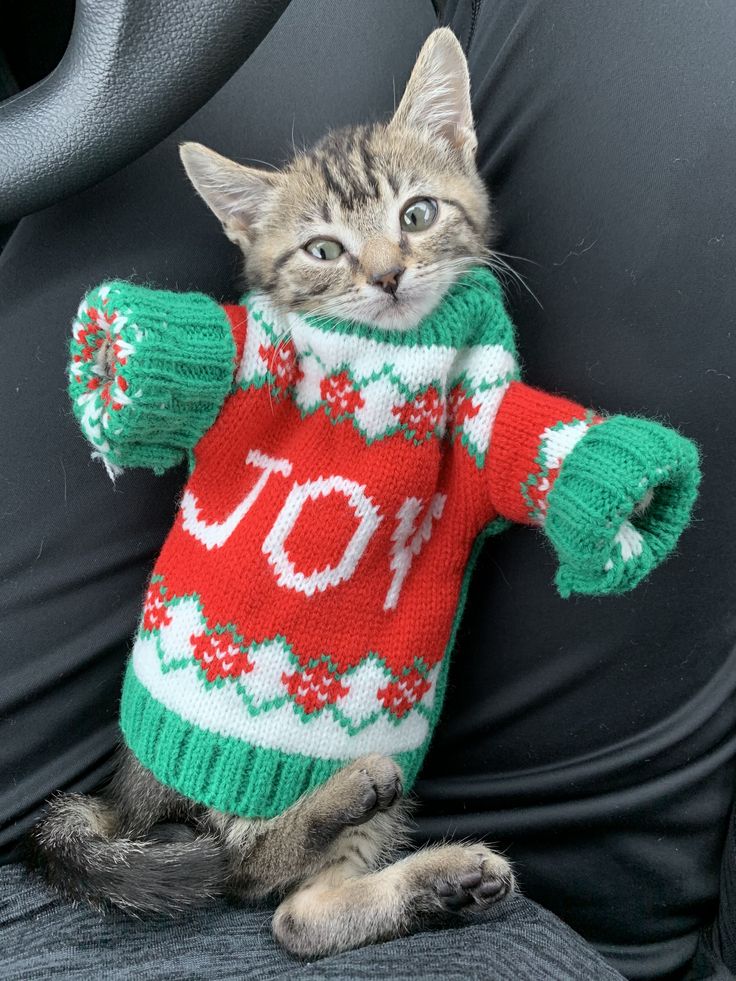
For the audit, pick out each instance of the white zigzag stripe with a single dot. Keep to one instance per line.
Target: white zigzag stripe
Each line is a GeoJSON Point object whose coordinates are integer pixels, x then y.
{"type": "Point", "coordinates": [484, 367]}
{"type": "Point", "coordinates": [558, 443]}
{"type": "Point", "coordinates": [219, 709]}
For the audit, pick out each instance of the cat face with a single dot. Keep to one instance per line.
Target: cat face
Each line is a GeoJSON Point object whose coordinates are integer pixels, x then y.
{"type": "Point", "coordinates": [374, 223]}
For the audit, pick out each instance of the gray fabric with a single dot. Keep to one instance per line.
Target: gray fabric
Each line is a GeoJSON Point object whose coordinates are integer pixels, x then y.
{"type": "Point", "coordinates": [42, 937]}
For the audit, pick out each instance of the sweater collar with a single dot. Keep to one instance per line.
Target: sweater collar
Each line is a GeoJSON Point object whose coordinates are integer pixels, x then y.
{"type": "Point", "coordinates": [462, 318]}
{"type": "Point", "coordinates": [387, 381]}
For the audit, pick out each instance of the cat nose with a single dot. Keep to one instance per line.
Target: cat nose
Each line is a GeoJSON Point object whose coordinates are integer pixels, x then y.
{"type": "Point", "coordinates": [389, 280]}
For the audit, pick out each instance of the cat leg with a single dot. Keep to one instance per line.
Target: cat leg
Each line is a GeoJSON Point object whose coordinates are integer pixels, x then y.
{"type": "Point", "coordinates": [344, 906]}
{"type": "Point", "coordinates": [271, 856]}
{"type": "Point", "coordinates": [141, 803]}
{"type": "Point", "coordinates": [120, 849]}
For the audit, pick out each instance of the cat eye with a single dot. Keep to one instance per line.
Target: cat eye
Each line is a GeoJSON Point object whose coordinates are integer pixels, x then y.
{"type": "Point", "coordinates": [419, 214]}
{"type": "Point", "coordinates": [324, 248]}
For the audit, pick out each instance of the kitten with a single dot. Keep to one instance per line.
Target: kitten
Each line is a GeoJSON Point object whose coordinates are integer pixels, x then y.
{"type": "Point", "coordinates": [319, 237]}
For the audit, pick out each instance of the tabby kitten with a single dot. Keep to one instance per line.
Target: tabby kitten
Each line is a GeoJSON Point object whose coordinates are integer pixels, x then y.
{"type": "Point", "coordinates": [373, 224]}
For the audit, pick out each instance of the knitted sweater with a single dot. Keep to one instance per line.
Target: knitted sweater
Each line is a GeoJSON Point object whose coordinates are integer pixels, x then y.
{"type": "Point", "coordinates": [341, 477]}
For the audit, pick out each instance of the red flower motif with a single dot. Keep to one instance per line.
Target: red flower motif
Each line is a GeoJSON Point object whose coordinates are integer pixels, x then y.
{"type": "Point", "coordinates": [220, 655]}
{"type": "Point", "coordinates": [338, 392]}
{"type": "Point", "coordinates": [282, 364]}
{"type": "Point", "coordinates": [155, 614]}
{"type": "Point", "coordinates": [400, 696]}
{"type": "Point", "coordinates": [315, 687]}
{"type": "Point", "coordinates": [460, 407]}
{"type": "Point", "coordinates": [422, 416]}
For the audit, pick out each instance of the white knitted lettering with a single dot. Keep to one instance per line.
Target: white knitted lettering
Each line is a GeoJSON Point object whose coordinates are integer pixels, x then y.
{"type": "Point", "coordinates": [405, 551]}
{"type": "Point", "coordinates": [273, 546]}
{"type": "Point", "coordinates": [214, 534]}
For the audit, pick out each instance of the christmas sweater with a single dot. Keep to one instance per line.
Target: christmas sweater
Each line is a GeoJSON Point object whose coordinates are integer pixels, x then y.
{"type": "Point", "coordinates": [341, 479]}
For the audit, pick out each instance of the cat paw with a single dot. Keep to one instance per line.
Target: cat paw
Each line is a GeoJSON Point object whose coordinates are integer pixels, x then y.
{"type": "Point", "coordinates": [460, 880]}
{"type": "Point", "coordinates": [373, 784]}
{"type": "Point", "coordinates": [354, 795]}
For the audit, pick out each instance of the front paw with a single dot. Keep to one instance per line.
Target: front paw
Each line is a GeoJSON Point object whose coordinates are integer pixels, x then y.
{"type": "Point", "coordinates": [374, 784]}
{"type": "Point", "coordinates": [353, 796]}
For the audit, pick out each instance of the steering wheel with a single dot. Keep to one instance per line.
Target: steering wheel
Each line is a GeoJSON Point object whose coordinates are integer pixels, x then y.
{"type": "Point", "coordinates": [133, 71]}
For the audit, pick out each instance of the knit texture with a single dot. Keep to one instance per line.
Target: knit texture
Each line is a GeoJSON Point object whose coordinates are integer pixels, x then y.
{"type": "Point", "coordinates": [303, 605]}
{"type": "Point", "coordinates": [172, 354]}
{"type": "Point", "coordinates": [604, 546]}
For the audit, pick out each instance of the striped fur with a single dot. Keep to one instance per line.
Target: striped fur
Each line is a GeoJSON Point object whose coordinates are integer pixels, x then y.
{"type": "Point", "coordinates": [351, 187]}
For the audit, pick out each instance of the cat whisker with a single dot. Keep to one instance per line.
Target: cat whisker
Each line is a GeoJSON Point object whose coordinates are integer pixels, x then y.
{"type": "Point", "coordinates": [520, 258]}
{"type": "Point", "coordinates": [293, 144]}
{"type": "Point", "coordinates": [281, 342]}
{"type": "Point", "coordinates": [496, 262]}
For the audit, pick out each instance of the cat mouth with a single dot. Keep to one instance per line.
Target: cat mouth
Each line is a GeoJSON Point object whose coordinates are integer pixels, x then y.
{"type": "Point", "coordinates": [398, 311]}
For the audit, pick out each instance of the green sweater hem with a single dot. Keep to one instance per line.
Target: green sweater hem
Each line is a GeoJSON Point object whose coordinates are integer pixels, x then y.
{"type": "Point", "coordinates": [225, 772]}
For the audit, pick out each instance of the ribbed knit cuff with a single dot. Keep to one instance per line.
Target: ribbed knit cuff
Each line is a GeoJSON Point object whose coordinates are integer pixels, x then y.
{"type": "Point", "coordinates": [224, 772]}
{"type": "Point", "coordinates": [605, 543]}
{"type": "Point", "coordinates": [149, 372]}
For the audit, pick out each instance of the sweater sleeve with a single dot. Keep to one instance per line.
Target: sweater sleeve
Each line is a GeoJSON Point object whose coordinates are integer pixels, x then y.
{"type": "Point", "coordinates": [150, 371]}
{"type": "Point", "coordinates": [612, 494]}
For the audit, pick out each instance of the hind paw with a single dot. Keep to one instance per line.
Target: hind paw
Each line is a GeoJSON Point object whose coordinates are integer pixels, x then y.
{"type": "Point", "coordinates": [459, 880]}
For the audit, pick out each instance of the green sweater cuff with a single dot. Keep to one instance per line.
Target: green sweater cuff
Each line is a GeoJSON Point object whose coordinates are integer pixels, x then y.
{"type": "Point", "coordinates": [605, 541]}
{"type": "Point", "coordinates": [149, 372]}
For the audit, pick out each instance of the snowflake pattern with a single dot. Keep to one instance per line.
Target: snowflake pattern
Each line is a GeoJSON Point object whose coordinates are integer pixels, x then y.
{"type": "Point", "coordinates": [403, 694]}
{"type": "Point", "coordinates": [423, 416]}
{"type": "Point", "coordinates": [220, 655]}
{"type": "Point", "coordinates": [314, 687]}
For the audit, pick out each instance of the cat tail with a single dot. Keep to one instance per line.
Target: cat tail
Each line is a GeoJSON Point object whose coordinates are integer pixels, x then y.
{"type": "Point", "coordinates": [76, 848]}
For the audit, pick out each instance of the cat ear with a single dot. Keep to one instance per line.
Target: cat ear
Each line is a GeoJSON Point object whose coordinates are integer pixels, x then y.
{"type": "Point", "coordinates": [437, 96]}
{"type": "Point", "coordinates": [236, 194]}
